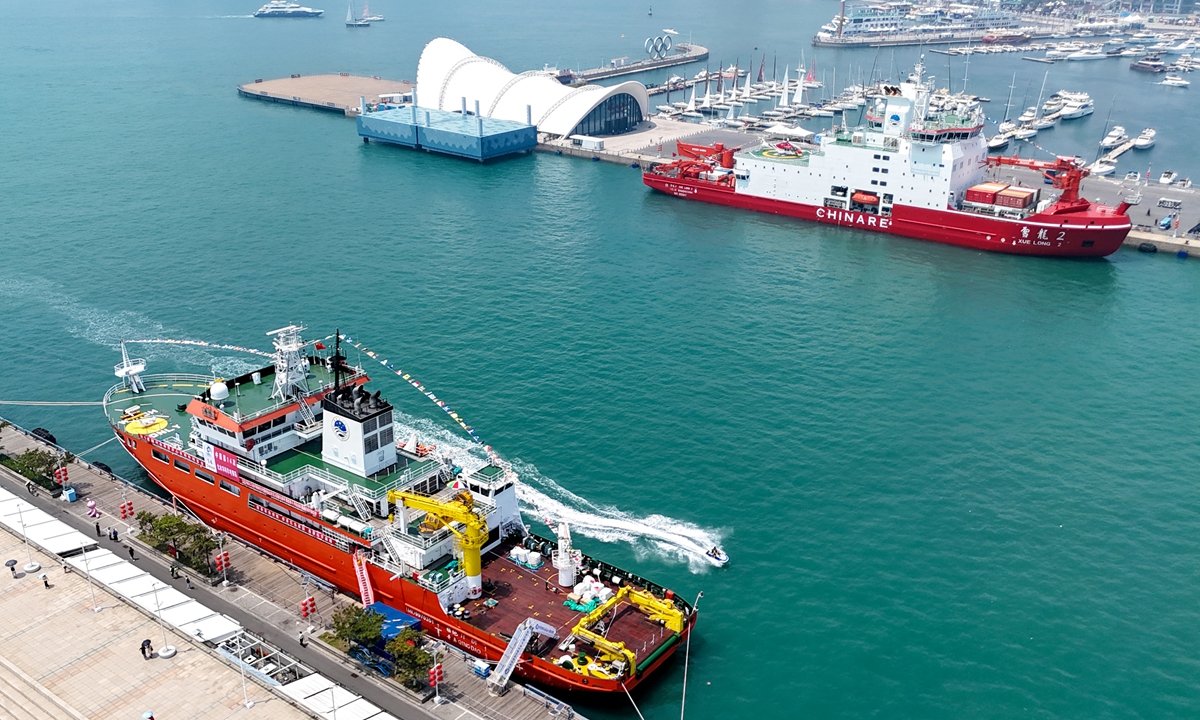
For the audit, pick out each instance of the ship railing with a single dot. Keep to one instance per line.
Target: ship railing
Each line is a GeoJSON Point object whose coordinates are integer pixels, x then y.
{"type": "Point", "coordinates": [203, 380]}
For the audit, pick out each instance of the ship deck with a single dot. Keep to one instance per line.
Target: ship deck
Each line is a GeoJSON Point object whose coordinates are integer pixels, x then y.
{"type": "Point", "coordinates": [519, 592]}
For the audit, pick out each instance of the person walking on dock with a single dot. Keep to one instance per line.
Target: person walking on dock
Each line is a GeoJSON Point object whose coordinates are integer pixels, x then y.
{"type": "Point", "coordinates": [131, 556]}
{"type": "Point", "coordinates": [147, 649]}
{"type": "Point", "coordinates": [97, 529]}
{"type": "Point", "coordinates": [303, 642]}
{"type": "Point", "coordinates": [187, 581]}
{"type": "Point", "coordinates": [45, 580]}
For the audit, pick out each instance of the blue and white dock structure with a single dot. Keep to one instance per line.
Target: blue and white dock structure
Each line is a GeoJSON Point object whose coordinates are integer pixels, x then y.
{"type": "Point", "coordinates": [463, 134]}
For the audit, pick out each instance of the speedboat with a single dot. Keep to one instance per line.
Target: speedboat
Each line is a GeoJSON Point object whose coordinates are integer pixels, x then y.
{"type": "Point", "coordinates": [717, 556]}
{"type": "Point", "coordinates": [1102, 167]}
{"type": "Point", "coordinates": [1175, 81]}
{"type": "Point", "coordinates": [1025, 132]}
{"type": "Point", "coordinates": [1168, 177]}
{"type": "Point", "coordinates": [1115, 137]}
{"type": "Point", "coordinates": [283, 8]}
{"type": "Point", "coordinates": [1133, 176]}
{"type": "Point", "coordinates": [998, 142]}
{"type": "Point", "coordinates": [1145, 141]}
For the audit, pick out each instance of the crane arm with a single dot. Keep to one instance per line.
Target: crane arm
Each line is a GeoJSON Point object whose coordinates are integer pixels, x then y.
{"type": "Point", "coordinates": [460, 510]}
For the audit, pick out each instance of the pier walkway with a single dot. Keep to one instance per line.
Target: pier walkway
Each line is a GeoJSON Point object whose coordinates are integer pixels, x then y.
{"type": "Point", "coordinates": [338, 93]}
{"type": "Point", "coordinates": [689, 53]}
{"type": "Point", "coordinates": [264, 596]}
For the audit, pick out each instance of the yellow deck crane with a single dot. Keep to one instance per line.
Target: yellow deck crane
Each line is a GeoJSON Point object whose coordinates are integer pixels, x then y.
{"type": "Point", "coordinates": [442, 514]}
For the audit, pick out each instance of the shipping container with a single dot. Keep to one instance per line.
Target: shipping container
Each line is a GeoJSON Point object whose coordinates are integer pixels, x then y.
{"type": "Point", "coordinates": [1016, 197]}
{"type": "Point", "coordinates": [984, 193]}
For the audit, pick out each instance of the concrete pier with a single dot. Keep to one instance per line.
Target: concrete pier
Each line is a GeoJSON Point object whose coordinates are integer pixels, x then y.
{"type": "Point", "coordinates": [338, 93]}
{"type": "Point", "coordinates": [688, 53]}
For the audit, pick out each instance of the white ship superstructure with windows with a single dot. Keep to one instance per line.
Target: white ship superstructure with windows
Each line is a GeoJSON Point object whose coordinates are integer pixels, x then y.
{"type": "Point", "coordinates": [873, 20]}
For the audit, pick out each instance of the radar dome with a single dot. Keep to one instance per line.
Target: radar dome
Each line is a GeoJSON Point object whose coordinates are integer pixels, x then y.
{"type": "Point", "coordinates": [218, 391]}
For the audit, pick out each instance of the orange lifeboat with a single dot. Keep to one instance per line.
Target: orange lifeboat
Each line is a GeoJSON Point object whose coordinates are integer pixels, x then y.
{"type": "Point", "coordinates": [863, 198]}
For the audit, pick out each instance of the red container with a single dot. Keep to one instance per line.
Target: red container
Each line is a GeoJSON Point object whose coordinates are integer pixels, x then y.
{"type": "Point", "coordinates": [1016, 197]}
{"type": "Point", "coordinates": [985, 192]}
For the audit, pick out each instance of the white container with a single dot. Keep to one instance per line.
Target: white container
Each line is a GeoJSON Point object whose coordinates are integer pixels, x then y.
{"type": "Point", "coordinates": [533, 559]}
{"type": "Point", "coordinates": [581, 588]}
{"type": "Point", "coordinates": [605, 595]}
{"type": "Point", "coordinates": [520, 553]}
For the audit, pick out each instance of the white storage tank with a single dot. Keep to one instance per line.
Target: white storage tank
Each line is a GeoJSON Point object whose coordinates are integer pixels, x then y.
{"type": "Point", "coordinates": [534, 559]}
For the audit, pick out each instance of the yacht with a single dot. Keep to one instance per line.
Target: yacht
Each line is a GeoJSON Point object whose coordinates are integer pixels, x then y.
{"type": "Point", "coordinates": [1115, 137]}
{"type": "Point", "coordinates": [1025, 132]}
{"type": "Point", "coordinates": [1028, 116]}
{"type": "Point", "coordinates": [1175, 81]}
{"type": "Point", "coordinates": [1145, 141]}
{"type": "Point", "coordinates": [1077, 109]}
{"type": "Point", "coordinates": [1150, 63]}
{"type": "Point", "coordinates": [1043, 123]}
{"type": "Point", "coordinates": [1133, 176]}
{"type": "Point", "coordinates": [1168, 177]}
{"type": "Point", "coordinates": [285, 9]}
{"type": "Point", "coordinates": [998, 142]}
{"type": "Point", "coordinates": [1091, 53]}
{"type": "Point", "coordinates": [1186, 46]}
{"type": "Point", "coordinates": [1103, 167]}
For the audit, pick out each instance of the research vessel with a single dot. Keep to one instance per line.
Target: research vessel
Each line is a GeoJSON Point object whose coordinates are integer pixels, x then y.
{"type": "Point", "coordinates": [915, 169]}
{"type": "Point", "coordinates": [300, 460]}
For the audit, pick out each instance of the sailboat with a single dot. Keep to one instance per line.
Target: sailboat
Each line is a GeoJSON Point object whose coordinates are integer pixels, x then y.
{"type": "Point", "coordinates": [368, 17]}
{"type": "Point", "coordinates": [690, 111]}
{"type": "Point", "coordinates": [783, 99]}
{"type": "Point", "coordinates": [350, 19]}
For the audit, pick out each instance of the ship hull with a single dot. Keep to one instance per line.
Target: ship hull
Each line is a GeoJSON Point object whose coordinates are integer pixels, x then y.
{"type": "Point", "coordinates": [225, 511]}
{"type": "Point", "coordinates": [1044, 235]}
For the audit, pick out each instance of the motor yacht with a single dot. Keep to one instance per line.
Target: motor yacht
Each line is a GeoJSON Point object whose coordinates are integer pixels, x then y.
{"type": "Point", "coordinates": [1115, 137]}
{"type": "Point", "coordinates": [1150, 63]}
{"type": "Point", "coordinates": [1091, 53]}
{"type": "Point", "coordinates": [1168, 177]}
{"type": "Point", "coordinates": [1145, 141]}
{"type": "Point", "coordinates": [1175, 81]}
{"type": "Point", "coordinates": [1077, 109]}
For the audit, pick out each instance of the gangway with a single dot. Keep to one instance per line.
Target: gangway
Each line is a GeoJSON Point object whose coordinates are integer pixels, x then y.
{"type": "Point", "coordinates": [498, 680]}
{"type": "Point", "coordinates": [360, 504]}
{"type": "Point", "coordinates": [365, 590]}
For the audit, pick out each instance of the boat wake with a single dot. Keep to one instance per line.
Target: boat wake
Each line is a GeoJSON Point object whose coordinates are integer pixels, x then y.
{"type": "Point", "coordinates": [548, 502]}
{"type": "Point", "coordinates": [108, 329]}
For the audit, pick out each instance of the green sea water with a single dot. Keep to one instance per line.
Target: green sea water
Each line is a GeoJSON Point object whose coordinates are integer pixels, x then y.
{"type": "Point", "coordinates": [952, 484]}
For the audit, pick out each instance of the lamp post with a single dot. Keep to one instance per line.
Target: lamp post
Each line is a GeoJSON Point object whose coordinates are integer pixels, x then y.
{"type": "Point", "coordinates": [167, 650]}
{"type": "Point", "coordinates": [87, 571]}
{"type": "Point", "coordinates": [245, 693]}
{"type": "Point", "coordinates": [31, 566]}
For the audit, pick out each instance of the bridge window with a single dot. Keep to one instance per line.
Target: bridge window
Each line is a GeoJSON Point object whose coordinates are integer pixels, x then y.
{"type": "Point", "coordinates": [620, 113]}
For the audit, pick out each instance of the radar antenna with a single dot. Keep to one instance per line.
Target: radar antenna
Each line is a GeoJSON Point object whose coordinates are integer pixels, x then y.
{"type": "Point", "coordinates": [130, 371]}
{"type": "Point", "coordinates": [291, 365]}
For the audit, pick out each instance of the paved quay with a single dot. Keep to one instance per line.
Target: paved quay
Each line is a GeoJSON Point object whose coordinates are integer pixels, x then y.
{"type": "Point", "coordinates": [264, 596]}
{"type": "Point", "coordinates": [335, 93]}
{"type": "Point", "coordinates": [59, 659]}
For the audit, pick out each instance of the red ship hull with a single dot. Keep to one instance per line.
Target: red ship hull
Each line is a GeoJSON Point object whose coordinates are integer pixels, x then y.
{"type": "Point", "coordinates": [233, 513]}
{"type": "Point", "coordinates": [1093, 232]}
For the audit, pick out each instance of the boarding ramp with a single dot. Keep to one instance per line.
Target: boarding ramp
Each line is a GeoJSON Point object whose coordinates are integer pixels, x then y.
{"type": "Point", "coordinates": [498, 681]}
{"type": "Point", "coordinates": [365, 590]}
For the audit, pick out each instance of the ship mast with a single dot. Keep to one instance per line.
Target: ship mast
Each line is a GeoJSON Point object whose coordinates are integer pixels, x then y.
{"type": "Point", "coordinates": [291, 366]}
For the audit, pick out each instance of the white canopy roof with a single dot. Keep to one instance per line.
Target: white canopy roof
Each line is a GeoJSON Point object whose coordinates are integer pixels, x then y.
{"type": "Point", "coordinates": [449, 72]}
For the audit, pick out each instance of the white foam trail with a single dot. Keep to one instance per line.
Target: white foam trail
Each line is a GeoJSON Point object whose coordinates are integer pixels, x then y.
{"type": "Point", "coordinates": [108, 329]}
{"type": "Point", "coordinates": [543, 499]}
